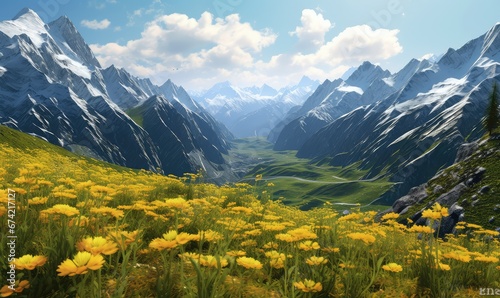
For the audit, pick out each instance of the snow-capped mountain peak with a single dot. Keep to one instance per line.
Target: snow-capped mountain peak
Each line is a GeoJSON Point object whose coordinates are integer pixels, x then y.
{"type": "Point", "coordinates": [71, 42]}
{"type": "Point", "coordinates": [25, 22]}
{"type": "Point", "coordinates": [366, 74]}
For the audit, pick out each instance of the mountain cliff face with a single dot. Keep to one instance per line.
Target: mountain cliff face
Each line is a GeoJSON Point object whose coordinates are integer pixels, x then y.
{"type": "Point", "coordinates": [430, 109]}
{"type": "Point", "coordinates": [52, 86]}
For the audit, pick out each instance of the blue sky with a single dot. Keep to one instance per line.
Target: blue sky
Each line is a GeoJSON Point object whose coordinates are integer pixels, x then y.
{"type": "Point", "coordinates": [197, 43]}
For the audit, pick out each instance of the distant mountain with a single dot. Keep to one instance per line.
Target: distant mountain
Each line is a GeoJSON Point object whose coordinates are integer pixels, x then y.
{"type": "Point", "coordinates": [418, 117]}
{"type": "Point", "coordinates": [253, 111]}
{"type": "Point", "coordinates": [52, 86]}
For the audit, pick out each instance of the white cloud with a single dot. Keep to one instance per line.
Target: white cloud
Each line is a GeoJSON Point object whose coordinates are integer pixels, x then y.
{"type": "Point", "coordinates": [95, 24]}
{"type": "Point", "coordinates": [312, 32]}
{"type": "Point", "coordinates": [206, 46]}
{"type": "Point", "coordinates": [198, 53]}
{"type": "Point", "coordinates": [356, 44]}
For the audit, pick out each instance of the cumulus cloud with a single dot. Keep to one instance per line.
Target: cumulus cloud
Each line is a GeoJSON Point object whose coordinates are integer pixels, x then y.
{"type": "Point", "coordinates": [180, 45]}
{"type": "Point", "coordinates": [313, 29]}
{"type": "Point", "coordinates": [95, 24]}
{"type": "Point", "coordinates": [198, 53]}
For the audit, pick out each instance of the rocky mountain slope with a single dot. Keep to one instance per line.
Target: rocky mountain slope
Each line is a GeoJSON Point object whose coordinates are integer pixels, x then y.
{"type": "Point", "coordinates": [52, 86]}
{"type": "Point", "coordinates": [470, 188]}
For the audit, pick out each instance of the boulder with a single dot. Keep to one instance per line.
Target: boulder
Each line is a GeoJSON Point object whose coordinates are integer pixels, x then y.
{"type": "Point", "coordinates": [466, 150]}
{"type": "Point", "coordinates": [452, 196]}
{"type": "Point", "coordinates": [414, 196]}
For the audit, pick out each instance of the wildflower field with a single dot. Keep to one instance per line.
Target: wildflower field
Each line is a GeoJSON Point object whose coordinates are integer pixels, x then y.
{"type": "Point", "coordinates": [89, 229]}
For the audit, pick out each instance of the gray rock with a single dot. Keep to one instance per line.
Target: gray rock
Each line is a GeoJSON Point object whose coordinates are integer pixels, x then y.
{"type": "Point", "coordinates": [345, 212]}
{"type": "Point", "coordinates": [449, 222]}
{"type": "Point", "coordinates": [438, 189]}
{"type": "Point", "coordinates": [476, 177]}
{"type": "Point", "coordinates": [496, 208]}
{"type": "Point", "coordinates": [414, 196]}
{"type": "Point", "coordinates": [484, 189]}
{"type": "Point", "coordinates": [466, 150]}
{"type": "Point", "coordinates": [452, 196]}
{"type": "Point", "coordinates": [474, 203]}
{"type": "Point", "coordinates": [474, 197]}
{"type": "Point", "coordinates": [491, 220]}
{"type": "Point", "coordinates": [465, 202]}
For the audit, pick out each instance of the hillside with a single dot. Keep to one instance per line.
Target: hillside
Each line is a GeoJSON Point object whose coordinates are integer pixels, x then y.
{"type": "Point", "coordinates": [86, 228]}
{"type": "Point", "coordinates": [470, 187]}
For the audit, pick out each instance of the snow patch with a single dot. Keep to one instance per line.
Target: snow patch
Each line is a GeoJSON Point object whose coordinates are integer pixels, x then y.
{"type": "Point", "coordinates": [347, 88]}
{"type": "Point", "coordinates": [2, 70]}
{"type": "Point", "coordinates": [74, 66]}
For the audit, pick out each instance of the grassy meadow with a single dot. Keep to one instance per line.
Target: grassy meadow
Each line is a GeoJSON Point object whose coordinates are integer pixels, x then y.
{"type": "Point", "coordinates": [85, 228]}
{"type": "Point", "coordinates": [304, 184]}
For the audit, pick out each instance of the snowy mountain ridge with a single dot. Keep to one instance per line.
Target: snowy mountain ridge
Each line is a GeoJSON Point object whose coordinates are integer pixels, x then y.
{"type": "Point", "coordinates": [53, 87]}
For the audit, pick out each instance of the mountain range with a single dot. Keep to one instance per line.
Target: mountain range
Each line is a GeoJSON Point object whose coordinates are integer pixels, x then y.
{"type": "Point", "coordinates": [406, 125]}
{"type": "Point", "coordinates": [52, 86]}
{"type": "Point", "coordinates": [253, 111]}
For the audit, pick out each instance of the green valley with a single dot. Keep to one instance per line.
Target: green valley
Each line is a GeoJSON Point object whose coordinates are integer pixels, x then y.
{"type": "Point", "coordinates": [300, 182]}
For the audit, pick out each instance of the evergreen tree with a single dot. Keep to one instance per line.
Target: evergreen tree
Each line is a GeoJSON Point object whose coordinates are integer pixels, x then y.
{"type": "Point", "coordinates": [492, 119]}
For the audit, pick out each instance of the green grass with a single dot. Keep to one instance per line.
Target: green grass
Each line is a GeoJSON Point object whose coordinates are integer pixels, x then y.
{"type": "Point", "coordinates": [137, 114]}
{"type": "Point", "coordinates": [23, 141]}
{"type": "Point", "coordinates": [329, 184]}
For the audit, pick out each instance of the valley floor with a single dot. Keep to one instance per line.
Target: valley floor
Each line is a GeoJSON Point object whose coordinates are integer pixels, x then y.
{"type": "Point", "coordinates": [301, 182]}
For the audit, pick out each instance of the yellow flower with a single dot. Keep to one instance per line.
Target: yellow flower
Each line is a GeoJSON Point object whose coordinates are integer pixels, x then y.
{"type": "Point", "coordinates": [177, 203]}
{"type": "Point", "coordinates": [316, 261]}
{"type": "Point", "coordinates": [437, 212]}
{"type": "Point", "coordinates": [108, 211]}
{"type": "Point", "coordinates": [38, 201]}
{"type": "Point", "coordinates": [285, 237]}
{"type": "Point", "coordinates": [249, 242]}
{"type": "Point", "coordinates": [236, 253]}
{"type": "Point", "coordinates": [392, 267]}
{"type": "Point", "coordinates": [443, 267]}
{"type": "Point", "coordinates": [184, 238]}
{"type": "Point", "coordinates": [61, 209]}
{"type": "Point", "coordinates": [97, 245]}
{"type": "Point", "coordinates": [270, 245]}
{"type": "Point", "coordinates": [277, 260]}
{"type": "Point", "coordinates": [210, 235]}
{"type": "Point", "coordinates": [302, 234]}
{"type": "Point", "coordinates": [308, 245]}
{"type": "Point", "coordinates": [331, 249]}
{"type": "Point", "coordinates": [474, 226]}
{"type": "Point", "coordinates": [458, 255]}
{"type": "Point", "coordinates": [29, 262]}
{"type": "Point", "coordinates": [366, 238]}
{"type": "Point", "coordinates": [123, 238]}
{"type": "Point", "coordinates": [391, 215]}
{"type": "Point", "coordinates": [421, 229]}
{"type": "Point", "coordinates": [19, 286]}
{"type": "Point", "coordinates": [211, 261]}
{"type": "Point", "coordinates": [80, 264]}
{"type": "Point", "coordinates": [486, 259]}
{"type": "Point", "coordinates": [347, 266]}
{"type": "Point", "coordinates": [308, 286]}
{"type": "Point", "coordinates": [349, 217]}
{"type": "Point", "coordinates": [249, 263]}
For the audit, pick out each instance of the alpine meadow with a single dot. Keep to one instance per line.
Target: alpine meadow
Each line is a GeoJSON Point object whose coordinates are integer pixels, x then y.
{"type": "Point", "coordinates": [249, 149]}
